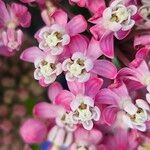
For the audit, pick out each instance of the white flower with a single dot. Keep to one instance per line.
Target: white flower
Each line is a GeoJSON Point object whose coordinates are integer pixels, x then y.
{"type": "Point", "coordinates": [78, 67]}
{"type": "Point", "coordinates": [136, 115]}
{"type": "Point", "coordinates": [53, 39]}
{"type": "Point", "coordinates": [84, 111]}
{"type": "Point", "coordinates": [118, 16]}
{"type": "Point", "coordinates": [47, 68]}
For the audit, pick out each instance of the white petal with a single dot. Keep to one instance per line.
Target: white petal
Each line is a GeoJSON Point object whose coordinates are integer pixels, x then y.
{"type": "Point", "coordinates": [96, 113]}
{"type": "Point", "coordinates": [130, 108]}
{"type": "Point", "coordinates": [142, 104]}
{"type": "Point", "coordinates": [148, 97]}
{"type": "Point", "coordinates": [107, 13]}
{"type": "Point", "coordinates": [77, 55]}
{"type": "Point", "coordinates": [88, 125]}
{"type": "Point", "coordinates": [128, 26]}
{"type": "Point", "coordinates": [126, 119]}
{"type": "Point", "coordinates": [75, 104]}
{"type": "Point", "coordinates": [65, 64]}
{"type": "Point", "coordinates": [66, 39]}
{"type": "Point", "coordinates": [37, 74]}
{"type": "Point", "coordinates": [88, 64]}
{"type": "Point", "coordinates": [141, 127]}
{"type": "Point", "coordinates": [69, 139]}
{"type": "Point", "coordinates": [89, 101]}
{"type": "Point", "coordinates": [84, 77]}
{"type": "Point", "coordinates": [52, 133]}
{"type": "Point", "coordinates": [132, 9]}
{"type": "Point", "coordinates": [70, 77]}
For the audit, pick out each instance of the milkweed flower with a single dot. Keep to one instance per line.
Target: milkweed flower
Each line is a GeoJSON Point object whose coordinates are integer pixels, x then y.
{"type": "Point", "coordinates": [12, 17]}
{"type": "Point", "coordinates": [47, 67]}
{"type": "Point", "coordinates": [83, 62]}
{"type": "Point", "coordinates": [135, 114]}
{"type": "Point", "coordinates": [84, 141]}
{"type": "Point", "coordinates": [116, 20]}
{"type": "Point", "coordinates": [80, 101]}
{"type": "Point", "coordinates": [55, 37]}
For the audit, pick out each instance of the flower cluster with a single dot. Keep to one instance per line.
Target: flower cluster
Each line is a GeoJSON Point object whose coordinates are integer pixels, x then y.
{"type": "Point", "coordinates": [96, 68]}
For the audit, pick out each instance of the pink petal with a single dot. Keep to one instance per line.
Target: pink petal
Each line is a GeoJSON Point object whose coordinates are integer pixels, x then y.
{"type": "Point", "coordinates": [76, 46]}
{"type": "Point", "coordinates": [106, 96]}
{"type": "Point", "coordinates": [5, 51]}
{"type": "Point", "coordinates": [110, 114]}
{"type": "Point", "coordinates": [83, 135]}
{"type": "Point", "coordinates": [31, 54]}
{"type": "Point", "coordinates": [60, 17]}
{"type": "Point", "coordinates": [76, 87]}
{"type": "Point", "coordinates": [121, 34]}
{"type": "Point", "coordinates": [94, 50]}
{"type": "Point", "coordinates": [96, 5]}
{"type": "Point", "coordinates": [33, 131]}
{"type": "Point", "coordinates": [105, 68]}
{"type": "Point", "coordinates": [53, 90]}
{"type": "Point", "coordinates": [4, 15]}
{"type": "Point", "coordinates": [93, 86]}
{"type": "Point", "coordinates": [107, 44]}
{"type": "Point", "coordinates": [76, 25]}
{"type": "Point", "coordinates": [46, 110]}
{"type": "Point", "coordinates": [22, 14]}
{"type": "Point", "coordinates": [64, 99]}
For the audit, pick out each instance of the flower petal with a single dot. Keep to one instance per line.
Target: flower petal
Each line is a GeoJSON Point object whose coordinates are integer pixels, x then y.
{"type": "Point", "coordinates": [64, 99]}
{"type": "Point", "coordinates": [76, 25]}
{"type": "Point", "coordinates": [107, 44]}
{"type": "Point", "coordinates": [47, 111]}
{"type": "Point", "coordinates": [31, 54]}
{"type": "Point", "coordinates": [93, 86]}
{"type": "Point", "coordinates": [109, 114]}
{"type": "Point", "coordinates": [76, 87]}
{"type": "Point", "coordinates": [105, 68]}
{"type": "Point", "coordinates": [53, 90]}
{"type": "Point", "coordinates": [33, 131]}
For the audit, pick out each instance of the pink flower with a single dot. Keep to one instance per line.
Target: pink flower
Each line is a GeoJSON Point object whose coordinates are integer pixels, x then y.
{"type": "Point", "coordinates": [84, 141]}
{"type": "Point", "coordinates": [136, 76]}
{"type": "Point", "coordinates": [15, 15]}
{"type": "Point", "coordinates": [115, 20]}
{"type": "Point", "coordinates": [54, 38]}
{"type": "Point", "coordinates": [93, 6]}
{"type": "Point", "coordinates": [61, 124]}
{"type": "Point", "coordinates": [10, 18]}
{"type": "Point", "coordinates": [11, 39]}
{"type": "Point", "coordinates": [121, 140]}
{"type": "Point", "coordinates": [33, 131]}
{"type": "Point", "coordinates": [47, 67]}
{"type": "Point", "coordinates": [80, 102]}
{"type": "Point", "coordinates": [134, 115]}
{"type": "Point", "coordinates": [83, 62]}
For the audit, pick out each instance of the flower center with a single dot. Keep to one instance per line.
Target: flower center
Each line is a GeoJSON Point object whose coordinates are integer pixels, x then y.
{"type": "Point", "coordinates": [77, 67]}
{"type": "Point", "coordinates": [54, 39]}
{"type": "Point", "coordinates": [139, 117]}
{"type": "Point", "coordinates": [47, 68]}
{"type": "Point", "coordinates": [119, 15]}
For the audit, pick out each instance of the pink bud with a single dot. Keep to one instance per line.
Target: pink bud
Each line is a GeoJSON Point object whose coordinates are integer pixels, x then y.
{"type": "Point", "coordinates": [33, 131]}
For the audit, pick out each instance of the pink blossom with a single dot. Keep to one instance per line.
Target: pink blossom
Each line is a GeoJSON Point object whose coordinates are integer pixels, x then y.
{"type": "Point", "coordinates": [116, 20]}
{"type": "Point", "coordinates": [80, 101]}
{"type": "Point", "coordinates": [47, 67]}
{"type": "Point", "coordinates": [11, 17]}
{"type": "Point", "coordinates": [84, 141]}
{"type": "Point", "coordinates": [54, 38]}
{"type": "Point", "coordinates": [134, 115]}
{"type": "Point", "coordinates": [33, 131]}
{"type": "Point", "coordinates": [93, 6]}
{"type": "Point", "coordinates": [15, 15]}
{"type": "Point", "coordinates": [83, 62]}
